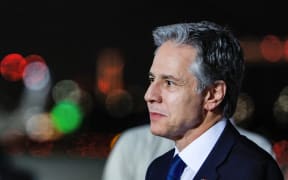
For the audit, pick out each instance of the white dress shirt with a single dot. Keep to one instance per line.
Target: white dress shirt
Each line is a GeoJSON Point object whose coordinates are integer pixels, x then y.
{"type": "Point", "coordinates": [195, 153]}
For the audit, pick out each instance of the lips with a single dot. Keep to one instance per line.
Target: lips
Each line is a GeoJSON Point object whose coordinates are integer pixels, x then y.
{"type": "Point", "coordinates": [156, 115]}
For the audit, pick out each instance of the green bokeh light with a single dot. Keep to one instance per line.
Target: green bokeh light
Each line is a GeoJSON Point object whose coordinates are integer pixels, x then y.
{"type": "Point", "coordinates": [66, 116]}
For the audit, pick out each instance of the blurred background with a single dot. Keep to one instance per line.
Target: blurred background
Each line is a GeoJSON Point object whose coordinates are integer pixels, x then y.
{"type": "Point", "coordinates": [73, 77]}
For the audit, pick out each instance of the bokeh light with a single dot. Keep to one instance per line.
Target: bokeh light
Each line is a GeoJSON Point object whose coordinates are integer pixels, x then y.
{"type": "Point", "coordinates": [110, 64]}
{"type": "Point", "coordinates": [35, 58]}
{"type": "Point", "coordinates": [40, 128]}
{"type": "Point", "coordinates": [12, 67]}
{"type": "Point", "coordinates": [271, 48]}
{"type": "Point", "coordinates": [36, 76]}
{"type": "Point", "coordinates": [66, 116]}
{"type": "Point", "coordinates": [66, 90]}
{"type": "Point", "coordinates": [280, 108]}
{"type": "Point", "coordinates": [244, 110]}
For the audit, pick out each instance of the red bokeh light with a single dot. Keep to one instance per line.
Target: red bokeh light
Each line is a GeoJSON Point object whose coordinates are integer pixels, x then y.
{"type": "Point", "coordinates": [35, 58]}
{"type": "Point", "coordinates": [271, 48]}
{"type": "Point", "coordinates": [12, 67]}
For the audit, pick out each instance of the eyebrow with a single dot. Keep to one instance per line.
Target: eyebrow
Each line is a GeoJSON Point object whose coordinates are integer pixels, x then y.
{"type": "Point", "coordinates": [168, 77]}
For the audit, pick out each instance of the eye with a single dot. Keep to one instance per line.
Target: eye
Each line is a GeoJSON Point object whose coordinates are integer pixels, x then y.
{"type": "Point", "coordinates": [151, 79]}
{"type": "Point", "coordinates": [169, 82]}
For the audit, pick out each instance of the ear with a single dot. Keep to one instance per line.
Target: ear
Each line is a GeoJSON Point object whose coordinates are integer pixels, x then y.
{"type": "Point", "coordinates": [214, 95]}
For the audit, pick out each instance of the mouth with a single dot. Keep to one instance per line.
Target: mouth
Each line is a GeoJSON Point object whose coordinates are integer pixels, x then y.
{"type": "Point", "coordinates": [156, 115]}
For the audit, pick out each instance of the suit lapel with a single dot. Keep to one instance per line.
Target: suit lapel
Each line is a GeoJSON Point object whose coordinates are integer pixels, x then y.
{"type": "Point", "coordinates": [168, 158]}
{"type": "Point", "coordinates": [161, 166]}
{"type": "Point", "coordinates": [218, 154]}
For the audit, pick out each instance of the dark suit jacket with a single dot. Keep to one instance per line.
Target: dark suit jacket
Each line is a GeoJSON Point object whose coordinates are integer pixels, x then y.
{"type": "Point", "coordinates": [234, 157]}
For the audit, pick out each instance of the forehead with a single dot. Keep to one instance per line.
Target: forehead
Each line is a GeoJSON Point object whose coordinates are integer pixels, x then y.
{"type": "Point", "coordinates": [173, 58]}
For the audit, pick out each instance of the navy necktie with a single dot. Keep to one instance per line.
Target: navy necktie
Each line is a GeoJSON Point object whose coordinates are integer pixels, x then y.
{"type": "Point", "coordinates": [176, 168]}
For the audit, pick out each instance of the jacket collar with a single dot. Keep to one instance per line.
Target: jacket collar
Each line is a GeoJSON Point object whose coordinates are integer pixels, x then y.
{"type": "Point", "coordinates": [219, 153]}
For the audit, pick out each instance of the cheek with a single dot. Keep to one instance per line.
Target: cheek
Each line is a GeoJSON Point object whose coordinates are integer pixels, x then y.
{"type": "Point", "coordinates": [179, 103]}
{"type": "Point", "coordinates": [186, 105]}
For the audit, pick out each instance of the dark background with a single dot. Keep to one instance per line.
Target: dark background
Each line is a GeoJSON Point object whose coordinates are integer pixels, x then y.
{"type": "Point", "coordinates": [65, 33]}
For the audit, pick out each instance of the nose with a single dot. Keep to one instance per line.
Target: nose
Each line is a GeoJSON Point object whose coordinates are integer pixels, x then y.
{"type": "Point", "coordinates": [153, 93]}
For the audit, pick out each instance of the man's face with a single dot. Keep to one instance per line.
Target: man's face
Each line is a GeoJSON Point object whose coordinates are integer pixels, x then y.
{"type": "Point", "coordinates": [174, 104]}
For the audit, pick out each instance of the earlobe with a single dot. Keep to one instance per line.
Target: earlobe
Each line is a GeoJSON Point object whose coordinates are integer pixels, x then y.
{"type": "Point", "coordinates": [214, 95]}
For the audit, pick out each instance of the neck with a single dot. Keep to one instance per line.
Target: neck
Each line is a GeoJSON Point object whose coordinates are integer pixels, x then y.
{"type": "Point", "coordinates": [193, 133]}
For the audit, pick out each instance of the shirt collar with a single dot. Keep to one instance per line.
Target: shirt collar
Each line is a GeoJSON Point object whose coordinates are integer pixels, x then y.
{"type": "Point", "coordinates": [201, 147]}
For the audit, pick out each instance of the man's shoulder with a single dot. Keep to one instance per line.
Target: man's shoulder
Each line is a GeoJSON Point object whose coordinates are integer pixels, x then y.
{"type": "Point", "coordinates": [251, 151]}
{"type": "Point", "coordinates": [260, 140]}
{"type": "Point", "coordinates": [241, 146]}
{"type": "Point", "coordinates": [255, 137]}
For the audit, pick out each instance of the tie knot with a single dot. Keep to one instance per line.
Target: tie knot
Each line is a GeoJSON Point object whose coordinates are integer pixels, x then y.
{"type": "Point", "coordinates": [176, 168]}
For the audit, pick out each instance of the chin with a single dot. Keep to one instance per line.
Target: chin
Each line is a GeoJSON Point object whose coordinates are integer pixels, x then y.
{"type": "Point", "coordinates": [157, 130]}
{"type": "Point", "coordinates": [153, 129]}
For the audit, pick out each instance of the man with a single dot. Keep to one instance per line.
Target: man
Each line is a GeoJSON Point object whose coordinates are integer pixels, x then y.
{"type": "Point", "coordinates": [195, 79]}
{"type": "Point", "coordinates": [139, 147]}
